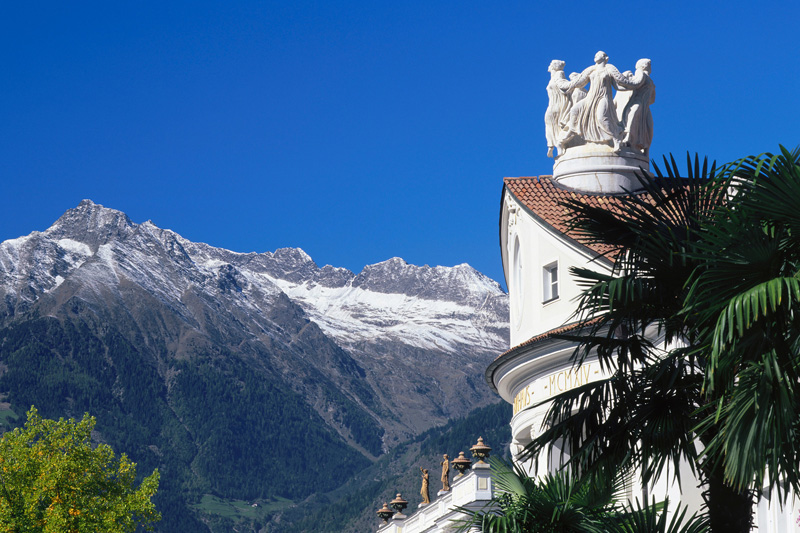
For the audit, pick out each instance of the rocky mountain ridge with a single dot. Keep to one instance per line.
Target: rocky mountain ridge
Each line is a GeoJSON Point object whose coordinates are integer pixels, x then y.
{"type": "Point", "coordinates": [267, 341]}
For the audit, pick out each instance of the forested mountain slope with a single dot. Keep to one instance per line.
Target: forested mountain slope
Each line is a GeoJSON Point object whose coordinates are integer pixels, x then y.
{"type": "Point", "coordinates": [232, 372]}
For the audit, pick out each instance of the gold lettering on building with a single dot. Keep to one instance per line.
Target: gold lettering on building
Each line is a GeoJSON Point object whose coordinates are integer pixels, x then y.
{"type": "Point", "coordinates": [555, 383]}
{"type": "Point", "coordinates": [569, 379]}
{"type": "Point", "coordinates": [523, 399]}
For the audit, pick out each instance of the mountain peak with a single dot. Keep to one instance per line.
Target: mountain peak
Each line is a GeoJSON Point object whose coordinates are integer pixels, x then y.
{"type": "Point", "coordinates": [392, 262]}
{"type": "Point", "coordinates": [459, 283]}
{"type": "Point", "coordinates": [296, 255]}
{"type": "Point", "coordinates": [91, 223]}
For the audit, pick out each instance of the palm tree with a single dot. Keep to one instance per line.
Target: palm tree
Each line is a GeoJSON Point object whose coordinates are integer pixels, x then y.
{"type": "Point", "coordinates": [648, 413]}
{"type": "Point", "coordinates": [562, 503]}
{"type": "Point", "coordinates": [746, 301]}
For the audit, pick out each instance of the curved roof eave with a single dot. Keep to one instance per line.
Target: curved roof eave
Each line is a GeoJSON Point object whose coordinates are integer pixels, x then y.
{"type": "Point", "coordinates": [525, 347]}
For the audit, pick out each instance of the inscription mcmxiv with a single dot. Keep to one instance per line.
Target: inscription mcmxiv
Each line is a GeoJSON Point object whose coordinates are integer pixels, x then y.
{"type": "Point", "coordinates": [557, 382]}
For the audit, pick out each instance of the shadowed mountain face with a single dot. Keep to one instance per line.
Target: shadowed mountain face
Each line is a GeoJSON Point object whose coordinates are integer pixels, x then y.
{"type": "Point", "coordinates": [233, 372]}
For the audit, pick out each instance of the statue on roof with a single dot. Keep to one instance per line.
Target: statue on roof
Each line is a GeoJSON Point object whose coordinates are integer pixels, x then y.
{"type": "Point", "coordinates": [445, 473]}
{"type": "Point", "coordinates": [593, 116]}
{"type": "Point", "coordinates": [636, 115]}
{"type": "Point", "coordinates": [424, 491]}
{"type": "Point", "coordinates": [557, 113]}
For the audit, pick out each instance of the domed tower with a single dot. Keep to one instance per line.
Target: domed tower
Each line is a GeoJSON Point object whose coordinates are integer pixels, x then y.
{"type": "Point", "coordinates": [598, 128]}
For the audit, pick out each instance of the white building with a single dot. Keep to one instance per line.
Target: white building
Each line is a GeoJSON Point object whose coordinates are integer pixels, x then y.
{"type": "Point", "coordinates": [537, 253]}
{"type": "Point", "coordinates": [602, 140]}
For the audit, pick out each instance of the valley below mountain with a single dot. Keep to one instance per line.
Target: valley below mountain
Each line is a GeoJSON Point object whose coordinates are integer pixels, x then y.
{"type": "Point", "coordinates": [256, 378]}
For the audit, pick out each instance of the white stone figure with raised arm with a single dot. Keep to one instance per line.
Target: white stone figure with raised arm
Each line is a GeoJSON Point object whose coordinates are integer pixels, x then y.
{"type": "Point", "coordinates": [636, 115]}
{"type": "Point", "coordinates": [594, 119]}
{"type": "Point", "coordinates": [557, 113]}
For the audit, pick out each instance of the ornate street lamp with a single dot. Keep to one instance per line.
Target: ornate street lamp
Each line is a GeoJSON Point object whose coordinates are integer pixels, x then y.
{"type": "Point", "coordinates": [480, 451]}
{"type": "Point", "coordinates": [461, 464]}
{"type": "Point", "coordinates": [385, 513]}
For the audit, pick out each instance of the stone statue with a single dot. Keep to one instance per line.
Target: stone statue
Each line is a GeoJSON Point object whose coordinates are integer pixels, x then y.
{"type": "Point", "coordinates": [579, 93]}
{"type": "Point", "coordinates": [604, 140]}
{"type": "Point", "coordinates": [424, 492]}
{"type": "Point", "coordinates": [594, 118]}
{"type": "Point", "coordinates": [622, 98]}
{"type": "Point", "coordinates": [445, 474]}
{"type": "Point", "coordinates": [555, 118]}
{"type": "Point", "coordinates": [636, 115]}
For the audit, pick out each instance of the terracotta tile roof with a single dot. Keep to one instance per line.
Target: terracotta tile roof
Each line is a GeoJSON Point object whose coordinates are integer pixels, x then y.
{"type": "Point", "coordinates": [547, 334]}
{"type": "Point", "coordinates": [566, 328]}
{"type": "Point", "coordinates": [542, 196]}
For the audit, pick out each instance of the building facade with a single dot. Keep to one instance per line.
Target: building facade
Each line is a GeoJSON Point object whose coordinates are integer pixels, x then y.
{"type": "Point", "coordinates": [600, 138]}
{"type": "Point", "coordinates": [537, 253]}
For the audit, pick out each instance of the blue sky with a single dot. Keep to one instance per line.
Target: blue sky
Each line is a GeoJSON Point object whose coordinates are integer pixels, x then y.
{"type": "Point", "coordinates": [357, 131]}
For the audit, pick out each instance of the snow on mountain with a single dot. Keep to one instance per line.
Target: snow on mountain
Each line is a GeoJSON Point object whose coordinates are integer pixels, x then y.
{"type": "Point", "coordinates": [438, 308]}
{"type": "Point", "coordinates": [360, 332]}
{"type": "Point", "coordinates": [403, 306]}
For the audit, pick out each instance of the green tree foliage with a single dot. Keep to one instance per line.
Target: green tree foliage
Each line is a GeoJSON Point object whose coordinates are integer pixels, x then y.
{"type": "Point", "coordinates": [53, 480]}
{"type": "Point", "coordinates": [644, 414]}
{"type": "Point", "coordinates": [250, 432]}
{"type": "Point", "coordinates": [746, 298]}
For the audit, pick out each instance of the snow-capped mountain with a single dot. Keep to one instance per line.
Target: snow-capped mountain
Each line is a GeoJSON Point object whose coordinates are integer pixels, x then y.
{"type": "Point", "coordinates": [404, 344]}
{"type": "Point", "coordinates": [243, 375]}
{"type": "Point", "coordinates": [439, 308]}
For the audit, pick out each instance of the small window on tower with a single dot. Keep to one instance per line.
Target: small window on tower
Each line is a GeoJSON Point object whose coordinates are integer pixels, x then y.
{"type": "Point", "coordinates": [550, 282]}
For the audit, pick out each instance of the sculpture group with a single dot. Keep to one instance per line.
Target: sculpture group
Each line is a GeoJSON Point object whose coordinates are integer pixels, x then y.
{"type": "Point", "coordinates": [576, 116]}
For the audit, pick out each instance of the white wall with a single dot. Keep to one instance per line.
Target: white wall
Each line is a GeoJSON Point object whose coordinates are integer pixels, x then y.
{"type": "Point", "coordinates": [528, 247]}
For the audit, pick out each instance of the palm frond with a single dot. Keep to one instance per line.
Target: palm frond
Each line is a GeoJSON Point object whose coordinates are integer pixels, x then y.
{"type": "Point", "coordinates": [653, 518]}
{"type": "Point", "coordinates": [759, 441]}
{"type": "Point", "coordinates": [642, 419]}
